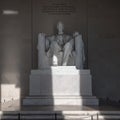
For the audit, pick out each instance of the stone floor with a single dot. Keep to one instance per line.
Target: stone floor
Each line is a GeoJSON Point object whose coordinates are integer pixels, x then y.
{"type": "Point", "coordinates": [15, 106]}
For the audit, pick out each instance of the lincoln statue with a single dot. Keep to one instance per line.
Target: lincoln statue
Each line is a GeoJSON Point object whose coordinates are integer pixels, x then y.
{"type": "Point", "coordinates": [60, 49]}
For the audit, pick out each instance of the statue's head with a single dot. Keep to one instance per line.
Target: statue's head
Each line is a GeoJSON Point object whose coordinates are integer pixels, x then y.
{"type": "Point", "coordinates": [60, 27]}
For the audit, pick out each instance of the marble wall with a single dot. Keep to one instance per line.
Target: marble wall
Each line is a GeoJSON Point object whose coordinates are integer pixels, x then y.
{"type": "Point", "coordinates": [104, 47]}
{"type": "Point", "coordinates": [97, 20]}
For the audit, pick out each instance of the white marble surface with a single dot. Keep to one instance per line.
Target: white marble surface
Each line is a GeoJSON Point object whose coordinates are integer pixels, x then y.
{"type": "Point", "coordinates": [9, 92]}
{"type": "Point", "coordinates": [60, 81]}
{"type": "Point", "coordinates": [61, 86]}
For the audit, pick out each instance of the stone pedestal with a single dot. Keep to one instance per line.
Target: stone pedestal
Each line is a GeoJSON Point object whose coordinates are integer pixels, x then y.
{"type": "Point", "coordinates": [61, 85]}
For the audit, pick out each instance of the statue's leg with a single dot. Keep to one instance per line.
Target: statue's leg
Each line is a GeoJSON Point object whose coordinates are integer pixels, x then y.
{"type": "Point", "coordinates": [60, 58]}
{"type": "Point", "coordinates": [67, 53]}
{"type": "Point", "coordinates": [55, 48]}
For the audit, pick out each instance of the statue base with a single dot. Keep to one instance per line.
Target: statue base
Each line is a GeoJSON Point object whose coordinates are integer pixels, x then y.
{"type": "Point", "coordinates": [60, 85]}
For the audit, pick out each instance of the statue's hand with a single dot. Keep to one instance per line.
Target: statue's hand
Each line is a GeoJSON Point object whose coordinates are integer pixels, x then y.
{"type": "Point", "coordinates": [41, 36]}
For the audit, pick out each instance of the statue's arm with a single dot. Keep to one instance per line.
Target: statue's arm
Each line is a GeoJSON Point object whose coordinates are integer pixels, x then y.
{"type": "Point", "coordinates": [48, 42]}
{"type": "Point", "coordinates": [71, 40]}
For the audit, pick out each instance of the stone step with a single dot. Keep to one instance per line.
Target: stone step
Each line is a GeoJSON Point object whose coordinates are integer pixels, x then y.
{"type": "Point", "coordinates": [64, 115]}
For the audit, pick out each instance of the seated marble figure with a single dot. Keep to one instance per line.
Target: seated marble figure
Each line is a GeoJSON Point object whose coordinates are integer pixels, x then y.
{"type": "Point", "coordinates": [60, 49]}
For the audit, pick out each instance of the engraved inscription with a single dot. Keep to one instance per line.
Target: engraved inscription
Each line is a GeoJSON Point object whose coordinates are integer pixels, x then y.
{"type": "Point", "coordinates": [55, 7]}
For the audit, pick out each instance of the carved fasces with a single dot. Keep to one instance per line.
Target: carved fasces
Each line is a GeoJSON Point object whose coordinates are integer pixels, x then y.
{"type": "Point", "coordinates": [79, 50]}
{"type": "Point", "coordinates": [42, 58]}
